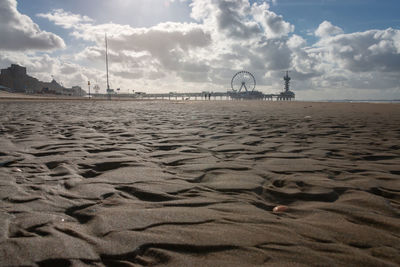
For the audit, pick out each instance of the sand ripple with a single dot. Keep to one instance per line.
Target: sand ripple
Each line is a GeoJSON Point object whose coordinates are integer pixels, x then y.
{"type": "Point", "coordinates": [194, 183]}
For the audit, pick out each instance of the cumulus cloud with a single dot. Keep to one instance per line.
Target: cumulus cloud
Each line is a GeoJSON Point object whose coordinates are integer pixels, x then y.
{"type": "Point", "coordinates": [226, 17]}
{"type": "Point", "coordinates": [227, 35]}
{"type": "Point", "coordinates": [164, 47]}
{"type": "Point", "coordinates": [274, 26]}
{"type": "Point", "coordinates": [45, 67]}
{"type": "Point", "coordinates": [163, 37]}
{"type": "Point", "coordinates": [244, 36]}
{"type": "Point", "coordinates": [65, 19]}
{"type": "Point", "coordinates": [231, 35]}
{"type": "Point", "coordinates": [238, 19]}
{"type": "Point", "coordinates": [373, 50]}
{"type": "Point", "coordinates": [326, 29]}
{"type": "Point", "coordinates": [339, 66]}
{"type": "Point", "coordinates": [18, 32]}
{"type": "Point", "coordinates": [296, 41]}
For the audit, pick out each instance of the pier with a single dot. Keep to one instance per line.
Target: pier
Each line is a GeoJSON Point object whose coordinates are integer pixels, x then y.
{"type": "Point", "coordinates": [191, 96]}
{"type": "Point", "coordinates": [240, 80]}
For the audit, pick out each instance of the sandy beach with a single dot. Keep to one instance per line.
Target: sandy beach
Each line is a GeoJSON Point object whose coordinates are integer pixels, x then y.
{"type": "Point", "coordinates": [194, 183]}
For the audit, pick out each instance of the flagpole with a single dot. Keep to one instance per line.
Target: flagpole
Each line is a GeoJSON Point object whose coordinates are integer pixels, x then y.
{"type": "Point", "coordinates": [108, 85]}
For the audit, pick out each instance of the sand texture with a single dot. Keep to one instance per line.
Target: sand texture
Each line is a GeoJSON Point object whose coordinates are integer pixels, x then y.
{"type": "Point", "coordinates": [194, 183]}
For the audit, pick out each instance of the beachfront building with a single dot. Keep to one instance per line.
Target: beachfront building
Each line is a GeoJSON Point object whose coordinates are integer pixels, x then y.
{"type": "Point", "coordinates": [11, 78]}
{"type": "Point", "coordinates": [16, 78]}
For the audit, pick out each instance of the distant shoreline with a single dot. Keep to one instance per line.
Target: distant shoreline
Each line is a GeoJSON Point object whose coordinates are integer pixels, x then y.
{"type": "Point", "coordinates": [6, 96]}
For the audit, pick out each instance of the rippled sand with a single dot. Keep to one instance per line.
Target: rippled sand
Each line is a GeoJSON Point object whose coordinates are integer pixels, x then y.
{"type": "Point", "coordinates": [194, 183]}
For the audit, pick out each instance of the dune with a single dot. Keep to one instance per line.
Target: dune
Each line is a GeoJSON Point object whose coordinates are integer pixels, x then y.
{"type": "Point", "coordinates": [194, 183]}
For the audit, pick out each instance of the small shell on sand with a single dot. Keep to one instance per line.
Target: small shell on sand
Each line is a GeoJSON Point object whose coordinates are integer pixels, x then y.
{"type": "Point", "coordinates": [281, 208]}
{"type": "Point", "coordinates": [16, 170]}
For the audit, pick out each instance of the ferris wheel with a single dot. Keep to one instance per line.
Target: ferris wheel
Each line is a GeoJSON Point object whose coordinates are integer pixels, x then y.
{"type": "Point", "coordinates": [243, 79]}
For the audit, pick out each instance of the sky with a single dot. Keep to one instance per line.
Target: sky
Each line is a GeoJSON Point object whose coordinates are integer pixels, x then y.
{"type": "Point", "coordinates": [334, 49]}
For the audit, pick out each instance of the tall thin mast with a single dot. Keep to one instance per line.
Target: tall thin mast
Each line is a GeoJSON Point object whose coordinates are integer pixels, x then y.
{"type": "Point", "coordinates": [287, 80]}
{"type": "Point", "coordinates": [108, 85]}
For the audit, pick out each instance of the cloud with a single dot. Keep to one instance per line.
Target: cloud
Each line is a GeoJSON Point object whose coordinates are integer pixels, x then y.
{"type": "Point", "coordinates": [373, 50]}
{"type": "Point", "coordinates": [231, 19]}
{"type": "Point", "coordinates": [273, 24]}
{"type": "Point", "coordinates": [296, 41]}
{"type": "Point", "coordinates": [226, 18]}
{"type": "Point", "coordinates": [18, 32]}
{"type": "Point", "coordinates": [326, 29]}
{"type": "Point", "coordinates": [239, 20]}
{"type": "Point", "coordinates": [354, 65]}
{"type": "Point", "coordinates": [243, 36]}
{"type": "Point", "coordinates": [65, 19]}
{"type": "Point", "coordinates": [44, 67]}
{"type": "Point", "coordinates": [228, 33]}
{"type": "Point", "coordinates": [164, 47]}
{"type": "Point", "coordinates": [226, 36]}
{"type": "Point", "coordinates": [165, 37]}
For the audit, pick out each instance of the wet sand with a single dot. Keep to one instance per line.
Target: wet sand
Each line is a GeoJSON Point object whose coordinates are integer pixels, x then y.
{"type": "Point", "coordinates": [194, 183]}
